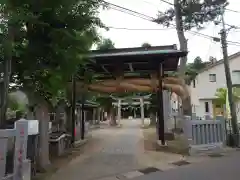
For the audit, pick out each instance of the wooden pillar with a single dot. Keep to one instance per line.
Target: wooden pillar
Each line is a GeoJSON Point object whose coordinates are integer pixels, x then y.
{"type": "Point", "coordinates": [119, 111]}
{"type": "Point", "coordinates": [82, 125]}
{"type": "Point", "coordinates": [160, 121]}
{"type": "Point", "coordinates": [142, 110]}
{"type": "Point", "coordinates": [77, 115]}
{"type": "Point", "coordinates": [73, 108]}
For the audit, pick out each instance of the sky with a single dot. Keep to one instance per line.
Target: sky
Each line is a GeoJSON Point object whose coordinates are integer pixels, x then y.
{"type": "Point", "coordinates": [197, 45]}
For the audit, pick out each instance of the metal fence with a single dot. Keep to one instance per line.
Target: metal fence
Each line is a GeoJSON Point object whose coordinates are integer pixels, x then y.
{"type": "Point", "coordinates": [21, 166]}
{"type": "Point", "coordinates": [205, 135]}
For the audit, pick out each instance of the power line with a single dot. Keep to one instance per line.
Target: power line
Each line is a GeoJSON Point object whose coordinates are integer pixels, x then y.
{"type": "Point", "coordinates": [150, 3]}
{"type": "Point", "coordinates": [233, 42]}
{"type": "Point", "coordinates": [167, 2]}
{"type": "Point", "coordinates": [211, 44]}
{"type": "Point", "coordinates": [191, 32]}
{"type": "Point", "coordinates": [138, 29]}
{"type": "Point", "coordinates": [151, 19]}
{"type": "Point", "coordinates": [233, 26]}
{"type": "Point", "coordinates": [232, 10]}
{"type": "Point", "coordinates": [129, 11]}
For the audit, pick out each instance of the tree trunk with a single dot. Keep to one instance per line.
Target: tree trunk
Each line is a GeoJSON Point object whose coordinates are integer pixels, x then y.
{"type": "Point", "coordinates": [59, 117]}
{"type": "Point", "coordinates": [68, 111]}
{"type": "Point", "coordinates": [68, 119]}
{"type": "Point", "coordinates": [152, 119]}
{"type": "Point", "coordinates": [43, 117]}
{"type": "Point", "coordinates": [31, 104]}
{"type": "Point", "coordinates": [112, 117]}
{"type": "Point", "coordinates": [186, 103]}
{"type": "Point", "coordinates": [8, 41]}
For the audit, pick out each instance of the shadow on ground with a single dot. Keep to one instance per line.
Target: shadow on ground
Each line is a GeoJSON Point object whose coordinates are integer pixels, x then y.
{"type": "Point", "coordinates": [176, 146]}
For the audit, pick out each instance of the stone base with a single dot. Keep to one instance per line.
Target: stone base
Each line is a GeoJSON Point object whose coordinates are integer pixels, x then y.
{"type": "Point", "coordinates": [172, 147]}
{"type": "Point", "coordinates": [119, 125]}
{"type": "Point", "coordinates": [159, 143]}
{"type": "Point", "coordinates": [169, 136]}
{"type": "Point", "coordinates": [80, 142]}
{"type": "Point", "coordinates": [199, 150]}
{"type": "Point", "coordinates": [94, 126]}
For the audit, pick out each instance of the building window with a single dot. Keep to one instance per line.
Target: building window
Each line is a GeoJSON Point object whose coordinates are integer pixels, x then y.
{"type": "Point", "coordinates": [212, 77]}
{"type": "Point", "coordinates": [194, 83]}
{"type": "Point", "coordinates": [206, 107]}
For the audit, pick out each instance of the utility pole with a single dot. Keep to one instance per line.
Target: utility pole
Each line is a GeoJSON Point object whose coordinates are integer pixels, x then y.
{"type": "Point", "coordinates": [229, 82]}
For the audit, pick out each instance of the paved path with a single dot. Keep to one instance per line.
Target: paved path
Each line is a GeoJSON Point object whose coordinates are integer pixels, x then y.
{"type": "Point", "coordinates": [119, 154]}
{"type": "Point", "coordinates": [224, 168]}
{"type": "Point", "coordinates": [116, 154]}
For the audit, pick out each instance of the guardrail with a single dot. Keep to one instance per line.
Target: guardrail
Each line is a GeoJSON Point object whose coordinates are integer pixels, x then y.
{"type": "Point", "coordinates": [205, 135]}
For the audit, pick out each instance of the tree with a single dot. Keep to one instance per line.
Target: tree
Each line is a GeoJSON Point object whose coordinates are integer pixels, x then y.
{"type": "Point", "coordinates": [192, 69]}
{"type": "Point", "coordinates": [146, 45]}
{"type": "Point", "coordinates": [106, 101]}
{"type": "Point", "coordinates": [105, 44]}
{"type": "Point", "coordinates": [221, 94]}
{"type": "Point", "coordinates": [50, 41]}
{"type": "Point", "coordinates": [198, 64]}
{"type": "Point", "coordinates": [14, 104]}
{"type": "Point", "coordinates": [188, 14]}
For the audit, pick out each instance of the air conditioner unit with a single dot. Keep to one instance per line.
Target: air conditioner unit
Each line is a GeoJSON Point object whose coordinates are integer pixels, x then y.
{"type": "Point", "coordinates": [236, 78]}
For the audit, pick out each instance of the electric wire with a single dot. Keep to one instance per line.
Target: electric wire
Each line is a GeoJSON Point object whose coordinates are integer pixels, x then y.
{"type": "Point", "coordinates": [138, 29]}
{"type": "Point", "coordinates": [231, 10]}
{"type": "Point", "coordinates": [151, 19]}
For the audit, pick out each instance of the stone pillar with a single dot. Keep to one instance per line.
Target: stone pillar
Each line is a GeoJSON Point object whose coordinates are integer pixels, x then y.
{"type": "Point", "coordinates": [167, 110]}
{"type": "Point", "coordinates": [119, 111]}
{"type": "Point", "coordinates": [94, 116]}
{"type": "Point", "coordinates": [99, 115]}
{"type": "Point", "coordinates": [20, 153]}
{"type": "Point", "coordinates": [142, 110]}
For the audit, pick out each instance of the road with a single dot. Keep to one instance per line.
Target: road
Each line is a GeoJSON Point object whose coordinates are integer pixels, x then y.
{"type": "Point", "coordinates": [116, 154]}
{"type": "Point", "coordinates": [224, 168]}
{"type": "Point", "coordinates": [119, 154]}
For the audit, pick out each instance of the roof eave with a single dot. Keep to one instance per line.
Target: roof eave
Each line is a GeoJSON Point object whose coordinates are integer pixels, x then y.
{"type": "Point", "coordinates": [136, 53]}
{"type": "Point", "coordinates": [231, 57]}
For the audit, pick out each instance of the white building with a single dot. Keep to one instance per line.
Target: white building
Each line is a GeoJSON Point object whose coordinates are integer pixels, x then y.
{"type": "Point", "coordinates": [204, 87]}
